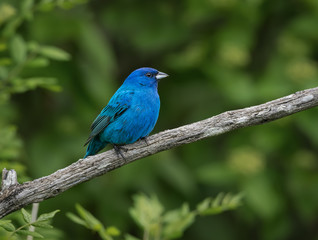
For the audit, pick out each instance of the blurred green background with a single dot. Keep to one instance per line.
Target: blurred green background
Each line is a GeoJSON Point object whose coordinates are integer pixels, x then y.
{"type": "Point", "coordinates": [220, 55]}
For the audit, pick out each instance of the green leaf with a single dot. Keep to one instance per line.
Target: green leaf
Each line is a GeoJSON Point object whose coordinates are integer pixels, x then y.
{"type": "Point", "coordinates": [218, 200]}
{"type": "Point", "coordinates": [47, 216]}
{"type": "Point", "coordinates": [23, 85]}
{"type": "Point", "coordinates": [38, 62]}
{"type": "Point", "coordinates": [54, 53]}
{"type": "Point", "coordinates": [221, 203]}
{"type": "Point", "coordinates": [112, 231]}
{"type": "Point", "coordinates": [176, 221]}
{"type": "Point", "coordinates": [76, 219]}
{"type": "Point", "coordinates": [33, 47]}
{"type": "Point", "coordinates": [26, 8]}
{"type": "Point", "coordinates": [103, 234]}
{"type": "Point", "coordinates": [42, 224]}
{"type": "Point", "coordinates": [18, 49]}
{"type": "Point", "coordinates": [204, 205]}
{"type": "Point", "coordinates": [27, 232]}
{"type": "Point", "coordinates": [92, 222]}
{"type": "Point", "coordinates": [4, 222]}
{"type": "Point", "coordinates": [26, 216]}
{"type": "Point", "coordinates": [7, 225]}
{"type": "Point", "coordinates": [146, 211]}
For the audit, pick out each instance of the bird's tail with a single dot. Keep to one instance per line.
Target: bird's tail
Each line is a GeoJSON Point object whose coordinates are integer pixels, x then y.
{"type": "Point", "coordinates": [94, 146]}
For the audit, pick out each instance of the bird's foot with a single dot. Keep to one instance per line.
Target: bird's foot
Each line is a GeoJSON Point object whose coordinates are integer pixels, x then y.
{"type": "Point", "coordinates": [118, 149]}
{"type": "Point", "coordinates": [145, 139]}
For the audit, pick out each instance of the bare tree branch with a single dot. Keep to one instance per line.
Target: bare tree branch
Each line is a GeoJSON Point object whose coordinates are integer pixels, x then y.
{"type": "Point", "coordinates": [14, 196]}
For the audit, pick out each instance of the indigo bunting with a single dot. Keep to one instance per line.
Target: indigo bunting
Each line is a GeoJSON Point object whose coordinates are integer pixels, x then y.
{"type": "Point", "coordinates": [131, 113]}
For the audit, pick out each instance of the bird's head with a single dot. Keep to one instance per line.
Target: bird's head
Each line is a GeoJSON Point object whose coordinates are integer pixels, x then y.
{"type": "Point", "coordinates": [145, 77]}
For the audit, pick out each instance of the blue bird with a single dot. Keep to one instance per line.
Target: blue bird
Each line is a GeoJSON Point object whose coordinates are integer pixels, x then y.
{"type": "Point", "coordinates": [131, 113]}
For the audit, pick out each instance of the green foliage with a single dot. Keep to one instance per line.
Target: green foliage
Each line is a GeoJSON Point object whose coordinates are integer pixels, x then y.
{"type": "Point", "coordinates": [17, 56]}
{"type": "Point", "coordinates": [42, 222]}
{"type": "Point", "coordinates": [87, 220]}
{"type": "Point", "coordinates": [222, 202]}
{"type": "Point", "coordinates": [157, 224]}
{"type": "Point", "coordinates": [149, 214]}
{"type": "Point", "coordinates": [24, 55]}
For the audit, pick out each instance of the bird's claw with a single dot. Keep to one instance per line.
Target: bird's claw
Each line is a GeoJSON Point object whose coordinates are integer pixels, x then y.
{"type": "Point", "coordinates": [118, 151]}
{"type": "Point", "coordinates": [145, 139]}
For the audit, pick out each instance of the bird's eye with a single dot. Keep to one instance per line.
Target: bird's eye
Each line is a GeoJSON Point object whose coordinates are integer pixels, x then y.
{"type": "Point", "coordinates": [148, 74]}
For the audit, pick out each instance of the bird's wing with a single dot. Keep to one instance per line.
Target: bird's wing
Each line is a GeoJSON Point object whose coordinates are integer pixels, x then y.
{"type": "Point", "coordinates": [109, 114]}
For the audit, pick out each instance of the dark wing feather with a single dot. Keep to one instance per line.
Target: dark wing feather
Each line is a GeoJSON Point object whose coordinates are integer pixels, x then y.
{"type": "Point", "coordinates": [109, 114]}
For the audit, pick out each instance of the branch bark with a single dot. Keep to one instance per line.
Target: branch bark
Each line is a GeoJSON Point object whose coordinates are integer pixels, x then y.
{"type": "Point", "coordinates": [14, 196]}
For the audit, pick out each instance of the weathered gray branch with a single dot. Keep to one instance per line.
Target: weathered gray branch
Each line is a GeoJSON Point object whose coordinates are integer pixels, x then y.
{"type": "Point", "coordinates": [15, 196]}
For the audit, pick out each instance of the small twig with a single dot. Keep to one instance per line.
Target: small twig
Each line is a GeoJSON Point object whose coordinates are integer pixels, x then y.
{"type": "Point", "coordinates": [34, 214]}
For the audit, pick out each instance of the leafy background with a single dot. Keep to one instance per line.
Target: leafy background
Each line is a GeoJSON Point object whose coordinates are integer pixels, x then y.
{"type": "Point", "coordinates": [220, 55]}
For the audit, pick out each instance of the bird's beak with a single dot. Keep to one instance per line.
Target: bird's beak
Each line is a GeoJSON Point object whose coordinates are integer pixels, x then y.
{"type": "Point", "coordinates": [161, 75]}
